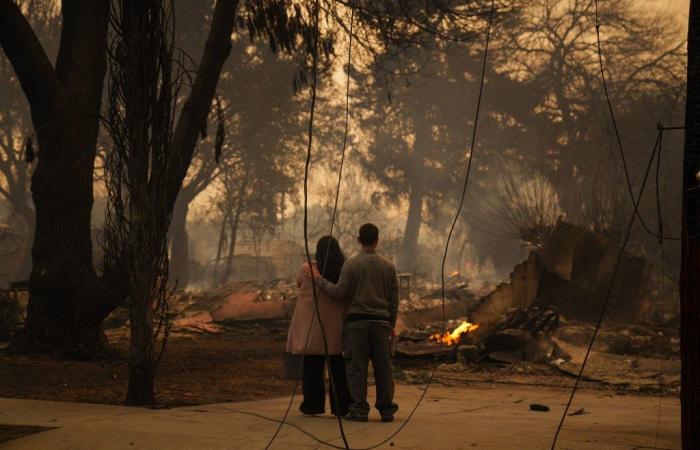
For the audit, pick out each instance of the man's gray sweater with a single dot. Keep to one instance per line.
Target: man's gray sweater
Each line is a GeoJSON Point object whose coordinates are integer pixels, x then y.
{"type": "Point", "coordinates": [368, 282]}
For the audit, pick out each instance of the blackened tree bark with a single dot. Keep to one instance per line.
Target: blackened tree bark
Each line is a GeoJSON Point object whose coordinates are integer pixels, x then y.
{"type": "Point", "coordinates": [64, 310]}
{"type": "Point", "coordinates": [179, 242]}
{"type": "Point", "coordinates": [151, 158]}
{"type": "Point", "coordinates": [27, 213]}
{"type": "Point", "coordinates": [690, 245]}
{"type": "Point", "coordinates": [193, 117]}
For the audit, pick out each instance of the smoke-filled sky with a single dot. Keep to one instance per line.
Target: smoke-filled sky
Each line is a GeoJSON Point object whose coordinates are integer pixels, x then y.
{"type": "Point", "coordinates": [522, 133]}
{"type": "Point", "coordinates": [680, 5]}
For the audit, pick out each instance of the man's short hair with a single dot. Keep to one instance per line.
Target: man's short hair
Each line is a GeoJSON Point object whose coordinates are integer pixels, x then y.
{"type": "Point", "coordinates": [369, 233]}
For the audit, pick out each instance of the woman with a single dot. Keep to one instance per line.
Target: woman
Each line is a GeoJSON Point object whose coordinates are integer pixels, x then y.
{"type": "Point", "coordinates": [306, 338]}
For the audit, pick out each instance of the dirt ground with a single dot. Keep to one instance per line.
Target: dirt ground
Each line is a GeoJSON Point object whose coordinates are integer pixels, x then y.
{"type": "Point", "coordinates": [244, 363]}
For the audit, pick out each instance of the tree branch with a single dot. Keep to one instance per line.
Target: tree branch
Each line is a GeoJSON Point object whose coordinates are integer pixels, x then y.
{"type": "Point", "coordinates": [195, 111]}
{"type": "Point", "coordinates": [28, 58]}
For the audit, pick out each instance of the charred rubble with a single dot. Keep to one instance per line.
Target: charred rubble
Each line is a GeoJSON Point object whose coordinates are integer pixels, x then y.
{"type": "Point", "coordinates": [546, 314]}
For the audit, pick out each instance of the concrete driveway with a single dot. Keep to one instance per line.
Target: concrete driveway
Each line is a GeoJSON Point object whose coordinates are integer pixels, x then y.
{"type": "Point", "coordinates": [480, 416]}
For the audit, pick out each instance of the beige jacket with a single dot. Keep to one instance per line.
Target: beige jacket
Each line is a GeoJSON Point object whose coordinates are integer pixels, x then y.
{"type": "Point", "coordinates": [332, 312]}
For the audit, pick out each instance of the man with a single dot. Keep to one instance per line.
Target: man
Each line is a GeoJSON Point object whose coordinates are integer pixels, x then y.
{"type": "Point", "coordinates": [368, 281]}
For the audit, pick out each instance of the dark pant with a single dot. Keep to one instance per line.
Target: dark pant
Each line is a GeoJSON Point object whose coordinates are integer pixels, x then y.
{"type": "Point", "coordinates": [314, 385]}
{"type": "Point", "coordinates": [367, 340]}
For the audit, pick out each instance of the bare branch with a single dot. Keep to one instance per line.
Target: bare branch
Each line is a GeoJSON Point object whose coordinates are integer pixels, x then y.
{"type": "Point", "coordinates": [32, 66]}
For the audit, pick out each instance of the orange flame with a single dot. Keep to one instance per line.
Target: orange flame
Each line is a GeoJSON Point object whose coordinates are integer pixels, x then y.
{"type": "Point", "coordinates": [452, 338]}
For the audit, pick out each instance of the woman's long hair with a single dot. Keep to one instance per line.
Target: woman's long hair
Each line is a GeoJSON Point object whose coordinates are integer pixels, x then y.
{"type": "Point", "coordinates": [329, 258]}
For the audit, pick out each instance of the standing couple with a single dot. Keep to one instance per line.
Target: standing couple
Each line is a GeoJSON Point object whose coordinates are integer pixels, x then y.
{"type": "Point", "coordinates": [357, 303]}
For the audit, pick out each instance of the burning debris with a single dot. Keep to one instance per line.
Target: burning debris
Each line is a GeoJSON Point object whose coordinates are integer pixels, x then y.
{"type": "Point", "coordinates": [544, 316]}
{"type": "Point", "coordinates": [454, 337]}
{"type": "Point", "coordinates": [531, 325]}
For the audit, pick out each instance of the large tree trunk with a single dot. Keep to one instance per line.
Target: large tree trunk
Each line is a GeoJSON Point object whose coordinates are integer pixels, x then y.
{"type": "Point", "coordinates": [690, 245]}
{"type": "Point", "coordinates": [27, 215]}
{"type": "Point", "coordinates": [179, 243]}
{"type": "Point", "coordinates": [65, 104]}
{"type": "Point", "coordinates": [152, 195]}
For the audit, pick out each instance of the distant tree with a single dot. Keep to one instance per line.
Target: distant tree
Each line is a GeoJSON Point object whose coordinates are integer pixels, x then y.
{"type": "Point", "coordinates": [203, 171]}
{"type": "Point", "coordinates": [192, 21]}
{"type": "Point", "coordinates": [552, 53]}
{"type": "Point", "coordinates": [266, 131]}
{"type": "Point", "coordinates": [419, 138]}
{"type": "Point", "coordinates": [555, 122]}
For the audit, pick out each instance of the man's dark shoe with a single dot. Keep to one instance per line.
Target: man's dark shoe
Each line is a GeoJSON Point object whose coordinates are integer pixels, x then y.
{"type": "Point", "coordinates": [387, 417]}
{"type": "Point", "coordinates": [356, 417]}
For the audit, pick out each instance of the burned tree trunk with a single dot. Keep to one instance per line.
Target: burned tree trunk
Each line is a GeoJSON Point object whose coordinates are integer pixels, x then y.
{"type": "Point", "coordinates": [140, 104]}
{"type": "Point", "coordinates": [179, 243]}
{"type": "Point", "coordinates": [690, 245]}
{"type": "Point", "coordinates": [142, 346]}
{"type": "Point", "coordinates": [27, 215]}
{"type": "Point", "coordinates": [64, 310]}
{"type": "Point", "coordinates": [149, 160]}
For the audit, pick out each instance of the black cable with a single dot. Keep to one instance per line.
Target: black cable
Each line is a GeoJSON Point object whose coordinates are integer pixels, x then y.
{"type": "Point", "coordinates": [659, 213]}
{"type": "Point", "coordinates": [464, 190]}
{"type": "Point", "coordinates": [347, 119]}
{"type": "Point", "coordinates": [617, 131]}
{"type": "Point", "coordinates": [661, 277]}
{"type": "Point", "coordinates": [283, 422]}
{"type": "Point", "coordinates": [659, 234]}
{"type": "Point", "coordinates": [316, 311]}
{"type": "Point", "coordinates": [314, 82]}
{"type": "Point", "coordinates": [608, 294]}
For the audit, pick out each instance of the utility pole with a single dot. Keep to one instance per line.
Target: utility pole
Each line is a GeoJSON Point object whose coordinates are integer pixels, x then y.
{"type": "Point", "coordinates": [690, 244]}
